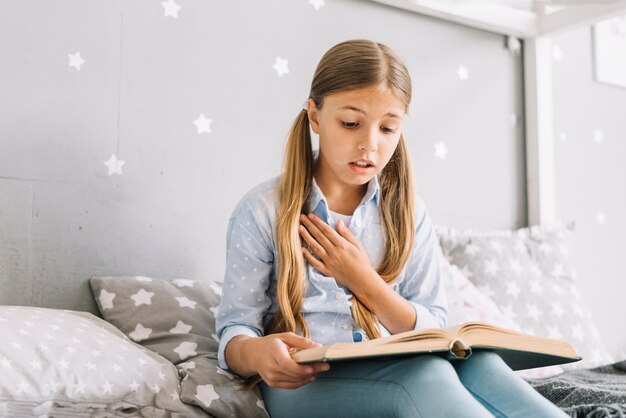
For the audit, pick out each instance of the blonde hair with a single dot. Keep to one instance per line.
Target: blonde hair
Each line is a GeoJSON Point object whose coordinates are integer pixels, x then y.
{"type": "Point", "coordinates": [346, 66]}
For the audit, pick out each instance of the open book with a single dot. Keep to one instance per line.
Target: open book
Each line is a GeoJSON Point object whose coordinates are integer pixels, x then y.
{"type": "Point", "coordinates": [518, 350]}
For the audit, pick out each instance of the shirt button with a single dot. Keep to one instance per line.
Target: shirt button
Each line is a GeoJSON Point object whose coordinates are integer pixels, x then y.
{"type": "Point", "coordinates": [358, 223]}
{"type": "Point", "coordinates": [357, 337]}
{"type": "Point", "coordinates": [339, 296]}
{"type": "Point", "coordinates": [344, 327]}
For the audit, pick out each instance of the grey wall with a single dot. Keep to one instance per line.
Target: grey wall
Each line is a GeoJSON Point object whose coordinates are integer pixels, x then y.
{"type": "Point", "coordinates": [591, 179]}
{"type": "Point", "coordinates": [147, 77]}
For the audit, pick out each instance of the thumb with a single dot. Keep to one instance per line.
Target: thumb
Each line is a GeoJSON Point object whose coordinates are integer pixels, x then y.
{"type": "Point", "coordinates": [345, 231]}
{"type": "Point", "coordinates": [297, 341]}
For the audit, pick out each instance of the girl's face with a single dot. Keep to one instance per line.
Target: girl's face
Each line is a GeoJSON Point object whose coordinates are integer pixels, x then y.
{"type": "Point", "coordinates": [358, 133]}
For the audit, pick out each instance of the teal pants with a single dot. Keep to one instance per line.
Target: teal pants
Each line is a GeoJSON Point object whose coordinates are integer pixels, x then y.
{"type": "Point", "coordinates": [424, 386]}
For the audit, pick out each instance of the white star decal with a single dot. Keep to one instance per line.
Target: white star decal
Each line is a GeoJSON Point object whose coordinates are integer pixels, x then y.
{"type": "Point", "coordinates": [186, 350]}
{"type": "Point", "coordinates": [206, 394]}
{"type": "Point", "coordinates": [63, 364]}
{"type": "Point", "coordinates": [23, 387]}
{"type": "Point", "coordinates": [79, 387]}
{"type": "Point", "coordinates": [187, 365]}
{"type": "Point", "coordinates": [557, 309]}
{"type": "Point", "coordinates": [203, 124]}
{"type": "Point", "coordinates": [281, 66]}
{"type": "Point", "coordinates": [140, 333]}
{"type": "Point", "coordinates": [440, 150]}
{"type": "Point", "coordinates": [181, 328]}
{"type": "Point", "coordinates": [183, 282]}
{"type": "Point", "coordinates": [90, 366]}
{"type": "Point", "coordinates": [515, 266]}
{"type": "Point", "coordinates": [75, 60]}
{"type": "Point", "coordinates": [114, 165]}
{"type": "Point", "coordinates": [106, 299]}
{"type": "Point", "coordinates": [598, 135]}
{"type": "Point", "coordinates": [184, 302]}
{"type": "Point", "coordinates": [462, 72]}
{"type": "Point", "coordinates": [316, 3]}
{"type": "Point", "coordinates": [106, 387]}
{"type": "Point", "coordinates": [512, 289]}
{"type": "Point", "coordinates": [142, 297]}
{"type": "Point", "coordinates": [533, 311]}
{"type": "Point", "coordinates": [6, 363]}
{"type": "Point", "coordinates": [170, 8]}
{"type": "Point", "coordinates": [558, 271]}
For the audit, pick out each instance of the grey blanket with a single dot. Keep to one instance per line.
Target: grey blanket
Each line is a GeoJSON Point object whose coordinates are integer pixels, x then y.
{"type": "Point", "coordinates": [589, 393]}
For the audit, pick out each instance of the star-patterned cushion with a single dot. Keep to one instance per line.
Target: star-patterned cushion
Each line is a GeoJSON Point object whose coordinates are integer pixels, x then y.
{"type": "Point", "coordinates": [526, 272]}
{"type": "Point", "coordinates": [67, 363]}
{"type": "Point", "coordinates": [219, 392]}
{"type": "Point", "coordinates": [177, 320]}
{"type": "Point", "coordinates": [467, 303]}
{"type": "Point", "coordinates": [174, 318]}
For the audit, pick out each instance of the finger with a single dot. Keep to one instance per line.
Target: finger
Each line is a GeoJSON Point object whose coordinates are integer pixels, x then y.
{"type": "Point", "coordinates": [288, 384]}
{"type": "Point", "coordinates": [297, 341]}
{"type": "Point", "coordinates": [313, 244]}
{"type": "Point", "coordinates": [320, 266]}
{"type": "Point", "coordinates": [315, 225]}
{"type": "Point", "coordinates": [345, 232]}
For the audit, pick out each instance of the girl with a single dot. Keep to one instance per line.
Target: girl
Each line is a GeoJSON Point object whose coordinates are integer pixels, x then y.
{"type": "Point", "coordinates": [337, 248]}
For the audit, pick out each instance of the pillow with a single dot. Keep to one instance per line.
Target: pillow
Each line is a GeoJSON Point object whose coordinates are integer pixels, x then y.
{"type": "Point", "coordinates": [528, 276]}
{"type": "Point", "coordinates": [469, 304]}
{"type": "Point", "coordinates": [68, 363]}
{"type": "Point", "coordinates": [174, 318]}
{"type": "Point", "coordinates": [177, 320]}
{"type": "Point", "coordinates": [219, 392]}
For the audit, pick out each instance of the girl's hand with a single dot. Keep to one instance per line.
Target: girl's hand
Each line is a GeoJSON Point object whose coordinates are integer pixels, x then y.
{"type": "Point", "coordinates": [271, 356]}
{"type": "Point", "coordinates": [340, 253]}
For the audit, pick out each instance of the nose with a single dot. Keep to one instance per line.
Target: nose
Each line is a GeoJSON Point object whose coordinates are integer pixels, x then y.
{"type": "Point", "coordinates": [368, 141]}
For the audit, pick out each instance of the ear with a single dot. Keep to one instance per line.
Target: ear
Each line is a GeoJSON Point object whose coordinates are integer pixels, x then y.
{"type": "Point", "coordinates": [313, 116]}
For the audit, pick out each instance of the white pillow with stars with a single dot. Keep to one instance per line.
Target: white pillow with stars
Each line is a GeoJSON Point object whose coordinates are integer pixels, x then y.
{"type": "Point", "coordinates": [61, 363]}
{"type": "Point", "coordinates": [527, 273]}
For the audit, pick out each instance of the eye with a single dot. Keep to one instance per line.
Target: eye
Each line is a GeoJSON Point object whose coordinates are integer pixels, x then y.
{"type": "Point", "coordinates": [388, 130]}
{"type": "Point", "coordinates": [349, 125]}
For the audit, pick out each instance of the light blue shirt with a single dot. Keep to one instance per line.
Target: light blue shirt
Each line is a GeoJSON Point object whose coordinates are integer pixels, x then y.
{"type": "Point", "coordinates": [249, 294]}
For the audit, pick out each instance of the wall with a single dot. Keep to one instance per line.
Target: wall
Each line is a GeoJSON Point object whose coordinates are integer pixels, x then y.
{"type": "Point", "coordinates": [147, 77]}
{"type": "Point", "coordinates": [590, 178]}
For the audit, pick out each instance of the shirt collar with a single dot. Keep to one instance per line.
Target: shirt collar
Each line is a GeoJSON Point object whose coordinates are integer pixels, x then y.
{"type": "Point", "coordinates": [318, 201]}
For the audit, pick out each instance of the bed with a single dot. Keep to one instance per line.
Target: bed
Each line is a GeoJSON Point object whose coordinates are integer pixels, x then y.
{"type": "Point", "coordinates": [150, 350]}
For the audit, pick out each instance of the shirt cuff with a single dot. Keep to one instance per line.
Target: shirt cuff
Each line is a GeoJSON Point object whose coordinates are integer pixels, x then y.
{"type": "Point", "coordinates": [425, 318]}
{"type": "Point", "coordinates": [228, 334]}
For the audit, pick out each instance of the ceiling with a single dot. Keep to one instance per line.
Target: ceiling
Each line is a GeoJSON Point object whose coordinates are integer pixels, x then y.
{"type": "Point", "coordinates": [519, 18]}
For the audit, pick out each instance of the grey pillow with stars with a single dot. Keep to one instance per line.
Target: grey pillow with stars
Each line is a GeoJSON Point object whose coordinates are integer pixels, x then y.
{"type": "Point", "coordinates": [62, 363]}
{"type": "Point", "coordinates": [217, 391]}
{"type": "Point", "coordinates": [174, 318]}
{"type": "Point", "coordinates": [528, 275]}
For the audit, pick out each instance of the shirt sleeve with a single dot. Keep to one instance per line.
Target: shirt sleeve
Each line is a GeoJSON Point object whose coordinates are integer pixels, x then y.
{"type": "Point", "coordinates": [249, 264]}
{"type": "Point", "coordinates": [423, 282]}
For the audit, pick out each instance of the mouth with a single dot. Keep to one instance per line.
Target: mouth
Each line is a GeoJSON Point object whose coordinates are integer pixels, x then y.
{"type": "Point", "coordinates": [361, 167]}
{"type": "Point", "coordinates": [362, 163]}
